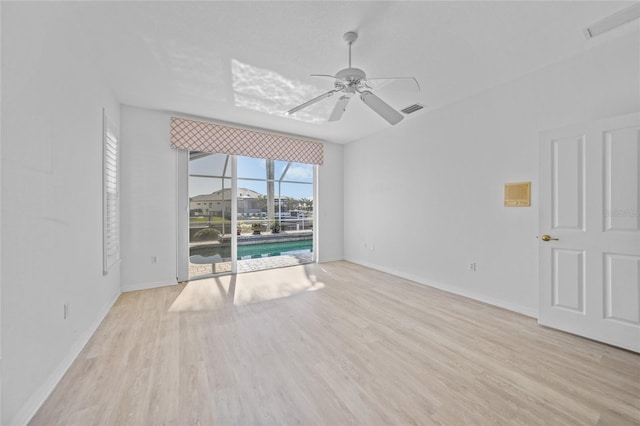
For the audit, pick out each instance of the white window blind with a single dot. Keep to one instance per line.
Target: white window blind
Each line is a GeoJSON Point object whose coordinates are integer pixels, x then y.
{"type": "Point", "coordinates": [111, 195]}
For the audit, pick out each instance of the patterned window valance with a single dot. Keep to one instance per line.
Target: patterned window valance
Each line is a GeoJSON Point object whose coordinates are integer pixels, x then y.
{"type": "Point", "coordinates": [209, 137]}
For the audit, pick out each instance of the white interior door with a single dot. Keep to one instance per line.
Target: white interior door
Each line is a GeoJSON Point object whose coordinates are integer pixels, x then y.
{"type": "Point", "coordinates": [589, 272]}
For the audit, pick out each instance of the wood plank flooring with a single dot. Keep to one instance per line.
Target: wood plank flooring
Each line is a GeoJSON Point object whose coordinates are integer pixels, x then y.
{"type": "Point", "coordinates": [335, 344]}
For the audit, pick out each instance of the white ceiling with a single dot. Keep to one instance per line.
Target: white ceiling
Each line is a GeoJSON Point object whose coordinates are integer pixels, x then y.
{"type": "Point", "coordinates": [248, 62]}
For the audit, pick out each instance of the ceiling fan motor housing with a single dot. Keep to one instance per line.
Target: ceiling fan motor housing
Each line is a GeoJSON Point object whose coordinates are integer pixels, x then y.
{"type": "Point", "coordinates": [351, 76]}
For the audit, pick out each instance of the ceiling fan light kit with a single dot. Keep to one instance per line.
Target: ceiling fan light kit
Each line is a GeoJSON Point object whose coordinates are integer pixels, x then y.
{"type": "Point", "coordinates": [354, 80]}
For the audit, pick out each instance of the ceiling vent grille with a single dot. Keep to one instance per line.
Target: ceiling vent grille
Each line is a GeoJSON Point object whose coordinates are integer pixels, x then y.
{"type": "Point", "coordinates": [412, 108]}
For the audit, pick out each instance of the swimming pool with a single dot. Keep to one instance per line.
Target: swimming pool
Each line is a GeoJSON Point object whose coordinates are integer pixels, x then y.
{"type": "Point", "coordinates": [221, 253]}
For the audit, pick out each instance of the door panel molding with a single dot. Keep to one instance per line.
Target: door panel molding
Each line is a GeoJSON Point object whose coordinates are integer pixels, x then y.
{"type": "Point", "coordinates": [568, 185]}
{"type": "Point", "coordinates": [622, 288]}
{"type": "Point", "coordinates": [621, 182]}
{"type": "Point", "coordinates": [568, 279]}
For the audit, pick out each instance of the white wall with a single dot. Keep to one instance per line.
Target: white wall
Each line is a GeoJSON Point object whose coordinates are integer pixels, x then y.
{"type": "Point", "coordinates": [428, 194]}
{"type": "Point", "coordinates": [52, 101]}
{"type": "Point", "coordinates": [148, 196]}
{"type": "Point", "coordinates": [331, 204]}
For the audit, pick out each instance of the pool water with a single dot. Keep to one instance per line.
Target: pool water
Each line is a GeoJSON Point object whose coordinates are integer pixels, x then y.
{"type": "Point", "coordinates": [253, 251]}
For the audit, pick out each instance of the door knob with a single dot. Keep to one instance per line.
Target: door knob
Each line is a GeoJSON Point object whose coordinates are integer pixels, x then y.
{"type": "Point", "coordinates": [546, 237]}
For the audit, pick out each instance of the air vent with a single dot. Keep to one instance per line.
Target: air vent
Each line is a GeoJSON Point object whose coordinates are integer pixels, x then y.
{"type": "Point", "coordinates": [412, 108]}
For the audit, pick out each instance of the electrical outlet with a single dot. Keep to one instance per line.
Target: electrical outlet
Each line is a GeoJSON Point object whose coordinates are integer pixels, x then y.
{"type": "Point", "coordinates": [154, 259]}
{"type": "Point", "coordinates": [472, 266]}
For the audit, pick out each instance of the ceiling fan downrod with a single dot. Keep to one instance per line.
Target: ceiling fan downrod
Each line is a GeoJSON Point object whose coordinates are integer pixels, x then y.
{"type": "Point", "coordinates": [350, 37]}
{"type": "Point", "coordinates": [350, 77]}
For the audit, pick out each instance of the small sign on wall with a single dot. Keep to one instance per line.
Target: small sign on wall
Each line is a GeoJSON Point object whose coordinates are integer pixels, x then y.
{"type": "Point", "coordinates": [517, 194]}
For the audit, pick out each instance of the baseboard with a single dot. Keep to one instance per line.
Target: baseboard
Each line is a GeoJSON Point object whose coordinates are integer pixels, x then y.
{"type": "Point", "coordinates": [533, 313]}
{"type": "Point", "coordinates": [33, 404]}
{"type": "Point", "coordinates": [330, 259]}
{"type": "Point", "coordinates": [146, 286]}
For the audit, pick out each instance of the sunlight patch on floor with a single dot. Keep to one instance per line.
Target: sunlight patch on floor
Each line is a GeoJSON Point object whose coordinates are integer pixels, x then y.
{"type": "Point", "coordinates": [204, 295]}
{"type": "Point", "coordinates": [273, 284]}
{"type": "Point", "coordinates": [243, 289]}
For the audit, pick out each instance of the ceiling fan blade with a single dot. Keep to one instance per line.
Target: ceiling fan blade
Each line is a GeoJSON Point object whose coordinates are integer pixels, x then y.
{"type": "Point", "coordinates": [323, 75]}
{"type": "Point", "coordinates": [340, 108]}
{"type": "Point", "coordinates": [409, 84]}
{"type": "Point", "coordinates": [311, 102]}
{"type": "Point", "coordinates": [381, 107]}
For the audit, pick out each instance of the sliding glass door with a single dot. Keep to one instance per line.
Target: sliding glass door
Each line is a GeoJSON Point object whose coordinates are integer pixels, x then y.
{"type": "Point", "coordinates": [273, 201]}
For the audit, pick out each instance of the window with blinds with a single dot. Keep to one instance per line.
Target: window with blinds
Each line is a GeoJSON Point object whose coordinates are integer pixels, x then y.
{"type": "Point", "coordinates": [111, 196]}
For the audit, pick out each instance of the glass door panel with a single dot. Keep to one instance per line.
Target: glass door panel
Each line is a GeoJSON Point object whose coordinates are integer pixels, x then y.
{"type": "Point", "coordinates": [275, 230]}
{"type": "Point", "coordinates": [298, 199]}
{"type": "Point", "coordinates": [209, 214]}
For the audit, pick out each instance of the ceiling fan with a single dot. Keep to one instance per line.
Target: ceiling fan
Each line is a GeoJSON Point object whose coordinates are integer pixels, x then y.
{"type": "Point", "coordinates": [350, 81]}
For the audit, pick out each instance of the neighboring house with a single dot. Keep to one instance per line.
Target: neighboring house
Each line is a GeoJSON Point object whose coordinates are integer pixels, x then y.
{"type": "Point", "coordinates": [218, 203]}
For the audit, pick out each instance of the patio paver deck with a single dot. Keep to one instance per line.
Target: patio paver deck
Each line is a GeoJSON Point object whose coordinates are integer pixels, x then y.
{"type": "Point", "coordinates": [249, 265]}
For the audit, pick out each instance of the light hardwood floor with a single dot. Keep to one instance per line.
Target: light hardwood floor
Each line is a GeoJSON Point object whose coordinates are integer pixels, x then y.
{"type": "Point", "coordinates": [335, 344]}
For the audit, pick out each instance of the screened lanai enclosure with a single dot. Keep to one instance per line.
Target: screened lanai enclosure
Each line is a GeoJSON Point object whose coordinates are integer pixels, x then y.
{"type": "Point", "coordinates": [248, 213]}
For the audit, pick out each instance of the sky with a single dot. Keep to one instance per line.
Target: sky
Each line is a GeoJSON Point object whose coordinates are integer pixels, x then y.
{"type": "Point", "coordinates": [254, 168]}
